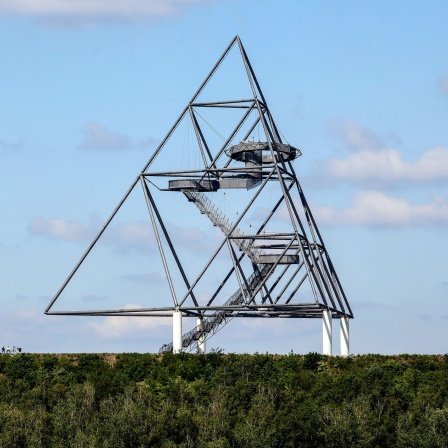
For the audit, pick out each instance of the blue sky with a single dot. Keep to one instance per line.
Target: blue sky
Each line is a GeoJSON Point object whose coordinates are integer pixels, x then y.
{"type": "Point", "coordinates": [89, 88]}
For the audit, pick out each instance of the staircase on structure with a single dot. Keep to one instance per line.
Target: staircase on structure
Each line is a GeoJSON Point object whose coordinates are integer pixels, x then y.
{"type": "Point", "coordinates": [246, 165]}
{"type": "Point", "coordinates": [211, 325]}
{"type": "Point", "coordinates": [220, 220]}
{"type": "Point", "coordinates": [218, 319]}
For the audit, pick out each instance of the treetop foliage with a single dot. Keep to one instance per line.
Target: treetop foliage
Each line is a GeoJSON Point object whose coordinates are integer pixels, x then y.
{"type": "Point", "coordinates": [218, 400]}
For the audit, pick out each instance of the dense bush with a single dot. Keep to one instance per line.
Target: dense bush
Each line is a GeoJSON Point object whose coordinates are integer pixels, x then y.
{"type": "Point", "coordinates": [217, 400]}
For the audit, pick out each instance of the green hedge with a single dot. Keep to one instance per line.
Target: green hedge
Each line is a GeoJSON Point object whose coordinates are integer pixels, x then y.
{"type": "Point", "coordinates": [217, 400]}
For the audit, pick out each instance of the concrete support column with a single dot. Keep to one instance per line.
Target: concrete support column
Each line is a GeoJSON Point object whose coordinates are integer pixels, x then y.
{"type": "Point", "coordinates": [326, 333]}
{"type": "Point", "coordinates": [201, 340]}
{"type": "Point", "coordinates": [177, 331]}
{"type": "Point", "coordinates": [345, 342]}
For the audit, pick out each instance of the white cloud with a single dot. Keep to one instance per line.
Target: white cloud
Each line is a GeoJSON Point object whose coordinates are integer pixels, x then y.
{"type": "Point", "coordinates": [99, 137]}
{"type": "Point", "coordinates": [61, 229]}
{"type": "Point", "coordinates": [375, 209]}
{"type": "Point", "coordinates": [387, 165]}
{"type": "Point", "coordinates": [30, 329]}
{"type": "Point", "coordinates": [372, 162]}
{"type": "Point", "coordinates": [97, 10]}
{"type": "Point", "coordinates": [115, 327]}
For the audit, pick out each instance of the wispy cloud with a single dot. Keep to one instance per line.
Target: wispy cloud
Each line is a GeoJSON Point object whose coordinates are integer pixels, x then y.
{"type": "Point", "coordinates": [61, 229]}
{"type": "Point", "coordinates": [88, 11]}
{"type": "Point", "coordinates": [193, 238]}
{"type": "Point", "coordinates": [149, 278]}
{"type": "Point", "coordinates": [123, 237]}
{"type": "Point", "coordinates": [11, 146]}
{"type": "Point", "coordinates": [114, 327]}
{"type": "Point", "coordinates": [100, 138]}
{"type": "Point", "coordinates": [356, 137]}
{"type": "Point", "coordinates": [376, 209]}
{"type": "Point", "coordinates": [443, 84]}
{"type": "Point", "coordinates": [298, 105]}
{"type": "Point", "coordinates": [372, 306]}
{"type": "Point", "coordinates": [130, 236]}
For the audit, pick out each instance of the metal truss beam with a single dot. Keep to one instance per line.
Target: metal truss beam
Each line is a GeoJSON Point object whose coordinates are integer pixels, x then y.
{"type": "Point", "coordinates": [266, 288]}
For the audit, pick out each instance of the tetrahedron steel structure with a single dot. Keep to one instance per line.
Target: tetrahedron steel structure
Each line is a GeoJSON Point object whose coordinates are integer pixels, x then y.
{"type": "Point", "coordinates": [270, 250]}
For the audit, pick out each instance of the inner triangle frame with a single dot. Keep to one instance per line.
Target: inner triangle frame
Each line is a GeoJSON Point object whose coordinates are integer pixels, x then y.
{"type": "Point", "coordinates": [269, 268]}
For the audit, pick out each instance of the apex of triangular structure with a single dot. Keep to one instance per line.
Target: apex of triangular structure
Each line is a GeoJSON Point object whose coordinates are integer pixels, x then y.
{"type": "Point", "coordinates": [270, 260]}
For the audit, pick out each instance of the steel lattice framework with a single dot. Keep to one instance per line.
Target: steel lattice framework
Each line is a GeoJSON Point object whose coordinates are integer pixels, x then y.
{"type": "Point", "coordinates": [269, 268]}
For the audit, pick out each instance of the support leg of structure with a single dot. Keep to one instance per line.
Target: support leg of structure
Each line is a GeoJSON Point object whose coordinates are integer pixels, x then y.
{"type": "Point", "coordinates": [345, 342]}
{"type": "Point", "coordinates": [177, 331]}
{"type": "Point", "coordinates": [201, 339]}
{"type": "Point", "coordinates": [326, 333]}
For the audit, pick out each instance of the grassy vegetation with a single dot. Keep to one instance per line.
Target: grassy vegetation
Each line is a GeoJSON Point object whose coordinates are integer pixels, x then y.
{"type": "Point", "coordinates": [216, 400]}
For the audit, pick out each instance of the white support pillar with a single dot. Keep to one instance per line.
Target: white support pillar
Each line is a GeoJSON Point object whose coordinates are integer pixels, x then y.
{"type": "Point", "coordinates": [177, 331]}
{"type": "Point", "coordinates": [201, 340]}
{"type": "Point", "coordinates": [326, 333]}
{"type": "Point", "coordinates": [345, 342]}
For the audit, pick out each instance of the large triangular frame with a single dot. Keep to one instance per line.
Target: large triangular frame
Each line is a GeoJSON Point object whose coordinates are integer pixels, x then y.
{"type": "Point", "coordinates": [268, 288]}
